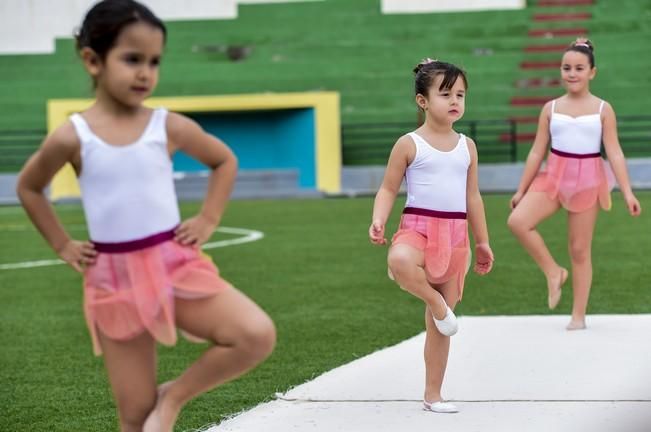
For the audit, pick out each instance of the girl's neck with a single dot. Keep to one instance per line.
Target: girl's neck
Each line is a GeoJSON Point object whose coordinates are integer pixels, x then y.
{"type": "Point", "coordinates": [436, 128]}
{"type": "Point", "coordinates": [584, 94]}
{"type": "Point", "coordinates": [107, 104]}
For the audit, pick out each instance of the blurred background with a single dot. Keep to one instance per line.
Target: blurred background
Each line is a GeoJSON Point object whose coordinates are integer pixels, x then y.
{"type": "Point", "coordinates": [362, 50]}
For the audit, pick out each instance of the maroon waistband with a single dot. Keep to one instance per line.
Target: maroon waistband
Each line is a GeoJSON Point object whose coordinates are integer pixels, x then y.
{"type": "Point", "coordinates": [134, 245]}
{"type": "Point", "coordinates": [575, 155]}
{"type": "Point", "coordinates": [434, 213]}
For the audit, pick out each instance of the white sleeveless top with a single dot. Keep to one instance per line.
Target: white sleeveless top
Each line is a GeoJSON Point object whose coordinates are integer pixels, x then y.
{"type": "Point", "coordinates": [127, 191]}
{"type": "Point", "coordinates": [436, 180]}
{"type": "Point", "coordinates": [578, 135]}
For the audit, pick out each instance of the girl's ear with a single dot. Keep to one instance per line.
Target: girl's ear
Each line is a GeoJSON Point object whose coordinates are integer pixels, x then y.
{"type": "Point", "coordinates": [92, 61]}
{"type": "Point", "coordinates": [421, 101]}
{"type": "Point", "coordinates": [593, 72]}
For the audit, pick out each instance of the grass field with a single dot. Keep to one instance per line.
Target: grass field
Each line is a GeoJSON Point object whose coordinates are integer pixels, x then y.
{"type": "Point", "coordinates": [317, 276]}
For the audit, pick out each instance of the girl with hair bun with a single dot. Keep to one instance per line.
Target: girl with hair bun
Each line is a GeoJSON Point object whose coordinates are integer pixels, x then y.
{"type": "Point", "coordinates": [430, 254]}
{"type": "Point", "coordinates": [575, 177]}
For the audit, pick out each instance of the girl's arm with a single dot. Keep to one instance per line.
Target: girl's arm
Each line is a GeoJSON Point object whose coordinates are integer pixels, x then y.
{"type": "Point", "coordinates": [536, 154]}
{"type": "Point", "coordinates": [185, 134]}
{"type": "Point", "coordinates": [616, 159]}
{"type": "Point", "coordinates": [476, 215]}
{"type": "Point", "coordinates": [57, 149]}
{"type": "Point", "coordinates": [402, 154]}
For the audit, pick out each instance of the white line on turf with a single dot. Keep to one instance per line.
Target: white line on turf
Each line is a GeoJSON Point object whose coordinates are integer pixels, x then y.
{"type": "Point", "coordinates": [248, 236]}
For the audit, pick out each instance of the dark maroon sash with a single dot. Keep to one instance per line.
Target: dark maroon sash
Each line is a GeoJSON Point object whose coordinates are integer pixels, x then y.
{"type": "Point", "coordinates": [434, 213]}
{"type": "Point", "coordinates": [134, 245]}
{"type": "Point", "coordinates": [575, 155]}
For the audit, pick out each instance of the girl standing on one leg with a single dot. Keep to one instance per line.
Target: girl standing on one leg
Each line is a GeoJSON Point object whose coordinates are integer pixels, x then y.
{"type": "Point", "coordinates": [144, 275]}
{"type": "Point", "coordinates": [575, 178]}
{"type": "Point", "coordinates": [429, 255]}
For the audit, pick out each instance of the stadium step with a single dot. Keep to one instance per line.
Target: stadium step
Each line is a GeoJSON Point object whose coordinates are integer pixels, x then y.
{"type": "Point", "coordinates": [525, 119]}
{"type": "Point", "coordinates": [540, 64]}
{"type": "Point", "coordinates": [579, 16]}
{"type": "Point", "coordinates": [524, 105]}
{"type": "Point", "coordinates": [530, 100]}
{"type": "Point", "coordinates": [537, 82]}
{"type": "Point", "coordinates": [519, 138]}
{"type": "Point", "coordinates": [573, 31]}
{"type": "Point", "coordinates": [545, 48]}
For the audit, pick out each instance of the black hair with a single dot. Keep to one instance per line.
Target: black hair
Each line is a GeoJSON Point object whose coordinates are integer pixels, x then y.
{"type": "Point", "coordinates": [104, 22]}
{"type": "Point", "coordinates": [584, 46]}
{"type": "Point", "coordinates": [428, 69]}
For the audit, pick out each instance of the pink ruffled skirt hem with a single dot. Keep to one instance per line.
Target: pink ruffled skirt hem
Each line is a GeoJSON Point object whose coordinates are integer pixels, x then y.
{"type": "Point", "coordinates": [577, 183]}
{"type": "Point", "coordinates": [445, 245]}
{"type": "Point", "coordinates": [128, 293]}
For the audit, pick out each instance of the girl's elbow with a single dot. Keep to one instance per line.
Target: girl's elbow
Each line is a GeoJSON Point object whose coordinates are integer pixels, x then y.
{"type": "Point", "coordinates": [22, 188]}
{"type": "Point", "coordinates": [23, 191]}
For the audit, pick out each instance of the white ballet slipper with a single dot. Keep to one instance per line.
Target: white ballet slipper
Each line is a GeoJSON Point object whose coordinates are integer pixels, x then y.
{"type": "Point", "coordinates": [448, 326]}
{"type": "Point", "coordinates": [440, 407]}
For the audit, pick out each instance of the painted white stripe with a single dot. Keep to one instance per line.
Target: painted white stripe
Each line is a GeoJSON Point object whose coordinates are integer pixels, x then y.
{"type": "Point", "coordinates": [247, 237]}
{"type": "Point", "coordinates": [30, 264]}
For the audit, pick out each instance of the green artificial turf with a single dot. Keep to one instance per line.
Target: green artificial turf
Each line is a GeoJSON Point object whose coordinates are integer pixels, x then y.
{"type": "Point", "coordinates": [314, 272]}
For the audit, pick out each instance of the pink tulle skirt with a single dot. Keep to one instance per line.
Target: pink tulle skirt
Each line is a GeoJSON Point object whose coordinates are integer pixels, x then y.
{"type": "Point", "coordinates": [444, 242]}
{"type": "Point", "coordinates": [578, 183]}
{"type": "Point", "coordinates": [128, 293]}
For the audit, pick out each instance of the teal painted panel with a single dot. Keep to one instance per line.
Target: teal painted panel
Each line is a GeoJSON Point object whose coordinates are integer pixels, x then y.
{"type": "Point", "coordinates": [275, 139]}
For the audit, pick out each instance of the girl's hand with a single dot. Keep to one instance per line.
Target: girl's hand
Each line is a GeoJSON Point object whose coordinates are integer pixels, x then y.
{"type": "Point", "coordinates": [78, 254]}
{"type": "Point", "coordinates": [516, 199]}
{"type": "Point", "coordinates": [376, 233]}
{"type": "Point", "coordinates": [633, 205]}
{"type": "Point", "coordinates": [194, 231]}
{"type": "Point", "coordinates": [483, 258]}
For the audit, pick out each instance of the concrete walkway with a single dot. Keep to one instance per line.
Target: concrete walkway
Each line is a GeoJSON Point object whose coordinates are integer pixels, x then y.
{"type": "Point", "coordinates": [517, 373]}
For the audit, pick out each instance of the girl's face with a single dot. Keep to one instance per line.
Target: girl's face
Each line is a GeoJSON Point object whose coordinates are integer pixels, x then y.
{"type": "Point", "coordinates": [129, 72]}
{"type": "Point", "coordinates": [576, 72]}
{"type": "Point", "coordinates": [444, 105]}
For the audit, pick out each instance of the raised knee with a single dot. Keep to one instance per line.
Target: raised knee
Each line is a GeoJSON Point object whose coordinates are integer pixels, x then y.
{"type": "Point", "coordinates": [259, 340]}
{"type": "Point", "coordinates": [515, 224]}
{"type": "Point", "coordinates": [399, 263]}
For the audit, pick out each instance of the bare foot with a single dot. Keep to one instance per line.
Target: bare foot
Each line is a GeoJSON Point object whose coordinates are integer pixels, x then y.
{"type": "Point", "coordinates": [576, 325]}
{"type": "Point", "coordinates": [162, 418]}
{"type": "Point", "coordinates": [554, 288]}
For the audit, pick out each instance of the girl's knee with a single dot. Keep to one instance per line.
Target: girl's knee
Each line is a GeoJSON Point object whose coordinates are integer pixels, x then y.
{"type": "Point", "coordinates": [399, 262]}
{"type": "Point", "coordinates": [516, 224]}
{"type": "Point", "coordinates": [259, 339]}
{"type": "Point", "coordinates": [579, 251]}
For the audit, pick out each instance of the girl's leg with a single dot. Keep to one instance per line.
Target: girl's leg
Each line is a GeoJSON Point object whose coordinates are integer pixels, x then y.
{"type": "Point", "coordinates": [580, 231]}
{"type": "Point", "coordinates": [437, 346]}
{"type": "Point", "coordinates": [533, 209]}
{"type": "Point", "coordinates": [243, 335]}
{"type": "Point", "coordinates": [407, 264]}
{"type": "Point", "coordinates": [131, 367]}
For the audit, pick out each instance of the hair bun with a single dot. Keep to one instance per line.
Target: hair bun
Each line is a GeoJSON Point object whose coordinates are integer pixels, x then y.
{"type": "Point", "coordinates": [423, 63]}
{"type": "Point", "coordinates": [583, 42]}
